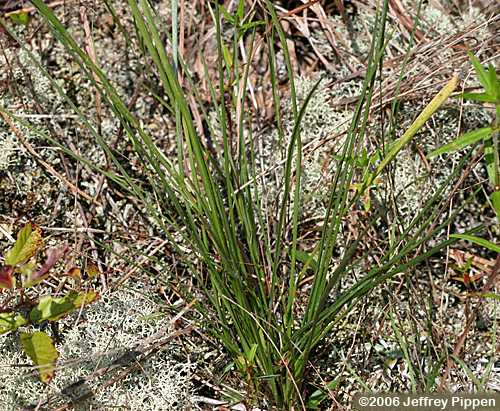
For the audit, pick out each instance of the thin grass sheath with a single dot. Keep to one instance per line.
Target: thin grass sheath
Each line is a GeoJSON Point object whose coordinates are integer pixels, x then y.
{"type": "Point", "coordinates": [422, 118]}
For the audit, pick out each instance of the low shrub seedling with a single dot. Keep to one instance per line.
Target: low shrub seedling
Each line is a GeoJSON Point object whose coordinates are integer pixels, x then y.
{"type": "Point", "coordinates": [21, 272]}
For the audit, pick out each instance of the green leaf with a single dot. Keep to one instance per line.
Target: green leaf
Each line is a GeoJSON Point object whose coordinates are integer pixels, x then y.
{"type": "Point", "coordinates": [490, 152]}
{"type": "Point", "coordinates": [431, 378]}
{"type": "Point", "coordinates": [27, 270]}
{"type": "Point", "coordinates": [306, 259]}
{"type": "Point", "coordinates": [7, 279]}
{"type": "Point", "coordinates": [462, 141]}
{"type": "Point", "coordinates": [495, 200]}
{"type": "Point", "coordinates": [227, 56]}
{"type": "Point", "coordinates": [367, 201]}
{"type": "Point", "coordinates": [39, 347]}
{"type": "Point", "coordinates": [318, 396]}
{"type": "Point", "coordinates": [21, 17]}
{"type": "Point", "coordinates": [240, 12]}
{"type": "Point", "coordinates": [468, 371]}
{"type": "Point", "coordinates": [492, 74]}
{"type": "Point", "coordinates": [11, 321]}
{"type": "Point", "coordinates": [483, 97]}
{"type": "Point", "coordinates": [481, 73]}
{"type": "Point", "coordinates": [250, 355]}
{"type": "Point", "coordinates": [28, 242]}
{"type": "Point", "coordinates": [491, 295]}
{"type": "Point", "coordinates": [85, 298]}
{"type": "Point", "coordinates": [363, 160]}
{"type": "Point", "coordinates": [248, 26]}
{"type": "Point", "coordinates": [226, 14]}
{"type": "Point", "coordinates": [52, 309]}
{"type": "Point", "coordinates": [479, 241]}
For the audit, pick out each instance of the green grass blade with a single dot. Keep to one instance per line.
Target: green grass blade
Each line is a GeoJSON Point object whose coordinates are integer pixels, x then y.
{"type": "Point", "coordinates": [481, 97]}
{"type": "Point", "coordinates": [479, 241]}
{"type": "Point", "coordinates": [465, 140]}
{"type": "Point", "coordinates": [481, 73]}
{"type": "Point", "coordinates": [468, 371]}
{"type": "Point", "coordinates": [403, 344]}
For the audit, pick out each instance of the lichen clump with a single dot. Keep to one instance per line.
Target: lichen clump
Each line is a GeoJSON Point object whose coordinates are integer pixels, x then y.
{"type": "Point", "coordinates": [105, 334]}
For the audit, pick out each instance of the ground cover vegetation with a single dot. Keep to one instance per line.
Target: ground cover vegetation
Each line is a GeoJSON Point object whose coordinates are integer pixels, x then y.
{"type": "Point", "coordinates": [270, 205]}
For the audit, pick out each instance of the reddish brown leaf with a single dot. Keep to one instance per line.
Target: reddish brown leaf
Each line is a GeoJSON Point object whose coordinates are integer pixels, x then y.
{"type": "Point", "coordinates": [7, 279]}
{"type": "Point", "coordinates": [53, 255]}
{"type": "Point", "coordinates": [74, 272]}
{"type": "Point", "coordinates": [467, 279]}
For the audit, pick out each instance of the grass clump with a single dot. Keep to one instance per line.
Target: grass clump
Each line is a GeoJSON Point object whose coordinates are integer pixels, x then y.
{"type": "Point", "coordinates": [266, 298]}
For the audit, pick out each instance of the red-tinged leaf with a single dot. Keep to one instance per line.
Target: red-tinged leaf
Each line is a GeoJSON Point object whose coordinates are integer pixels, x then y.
{"type": "Point", "coordinates": [467, 279]}
{"type": "Point", "coordinates": [74, 272]}
{"type": "Point", "coordinates": [29, 241]}
{"type": "Point", "coordinates": [53, 255]}
{"type": "Point", "coordinates": [40, 348]}
{"type": "Point", "coordinates": [7, 279]}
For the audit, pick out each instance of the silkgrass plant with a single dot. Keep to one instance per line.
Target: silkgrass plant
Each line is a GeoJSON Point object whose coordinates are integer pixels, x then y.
{"type": "Point", "coordinates": [251, 260]}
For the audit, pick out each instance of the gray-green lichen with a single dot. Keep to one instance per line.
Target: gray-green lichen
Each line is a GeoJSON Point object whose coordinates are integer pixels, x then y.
{"type": "Point", "coordinates": [105, 333]}
{"type": "Point", "coordinates": [321, 137]}
{"type": "Point", "coordinates": [8, 149]}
